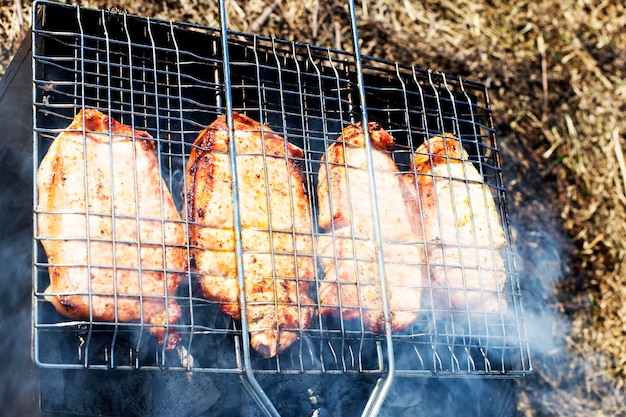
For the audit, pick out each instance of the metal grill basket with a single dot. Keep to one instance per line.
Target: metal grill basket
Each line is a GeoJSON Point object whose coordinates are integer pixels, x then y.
{"type": "Point", "coordinates": [171, 80]}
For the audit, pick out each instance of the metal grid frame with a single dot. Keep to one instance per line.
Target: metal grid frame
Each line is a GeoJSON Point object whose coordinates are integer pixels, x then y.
{"type": "Point", "coordinates": [172, 79]}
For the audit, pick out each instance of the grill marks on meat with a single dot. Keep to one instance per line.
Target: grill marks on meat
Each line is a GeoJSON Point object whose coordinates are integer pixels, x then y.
{"type": "Point", "coordinates": [109, 227]}
{"type": "Point", "coordinates": [462, 229]}
{"type": "Point", "coordinates": [347, 252]}
{"type": "Point", "coordinates": [276, 231]}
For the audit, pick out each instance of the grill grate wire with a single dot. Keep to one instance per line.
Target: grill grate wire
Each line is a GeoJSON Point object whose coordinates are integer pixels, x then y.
{"type": "Point", "coordinates": [171, 80]}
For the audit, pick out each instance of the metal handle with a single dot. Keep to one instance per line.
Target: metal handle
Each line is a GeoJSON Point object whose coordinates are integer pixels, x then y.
{"type": "Point", "coordinates": [384, 383]}
{"type": "Point", "coordinates": [248, 379]}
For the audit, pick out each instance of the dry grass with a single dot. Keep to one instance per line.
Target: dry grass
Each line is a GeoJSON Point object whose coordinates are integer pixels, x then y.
{"type": "Point", "coordinates": [557, 75]}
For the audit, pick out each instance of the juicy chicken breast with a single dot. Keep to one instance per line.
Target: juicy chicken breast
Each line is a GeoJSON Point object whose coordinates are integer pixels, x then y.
{"type": "Point", "coordinates": [276, 232]}
{"type": "Point", "coordinates": [462, 230]}
{"type": "Point", "coordinates": [109, 227]}
{"type": "Point", "coordinates": [347, 252]}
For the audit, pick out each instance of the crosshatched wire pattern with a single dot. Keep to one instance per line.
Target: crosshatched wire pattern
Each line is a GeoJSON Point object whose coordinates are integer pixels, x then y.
{"type": "Point", "coordinates": [167, 79]}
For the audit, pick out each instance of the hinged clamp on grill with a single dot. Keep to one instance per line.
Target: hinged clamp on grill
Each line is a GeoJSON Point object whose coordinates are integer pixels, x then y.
{"type": "Point", "coordinates": [211, 201]}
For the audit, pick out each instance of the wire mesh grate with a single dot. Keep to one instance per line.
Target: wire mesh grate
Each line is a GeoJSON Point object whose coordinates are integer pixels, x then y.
{"type": "Point", "coordinates": [168, 79]}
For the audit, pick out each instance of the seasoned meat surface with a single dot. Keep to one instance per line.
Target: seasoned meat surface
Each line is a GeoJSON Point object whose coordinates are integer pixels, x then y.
{"type": "Point", "coordinates": [462, 230]}
{"type": "Point", "coordinates": [109, 226]}
{"type": "Point", "coordinates": [276, 232]}
{"type": "Point", "coordinates": [347, 251]}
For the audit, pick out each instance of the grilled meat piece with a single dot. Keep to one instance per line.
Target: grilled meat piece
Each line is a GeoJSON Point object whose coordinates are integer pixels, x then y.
{"type": "Point", "coordinates": [347, 252]}
{"type": "Point", "coordinates": [109, 227]}
{"type": "Point", "coordinates": [462, 230]}
{"type": "Point", "coordinates": [276, 232]}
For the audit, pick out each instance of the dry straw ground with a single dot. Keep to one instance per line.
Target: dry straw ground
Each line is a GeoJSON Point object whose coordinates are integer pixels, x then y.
{"type": "Point", "coordinates": [556, 70]}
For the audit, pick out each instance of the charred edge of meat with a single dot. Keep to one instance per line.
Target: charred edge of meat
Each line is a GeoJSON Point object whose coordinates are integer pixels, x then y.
{"type": "Point", "coordinates": [198, 158]}
{"type": "Point", "coordinates": [262, 342]}
{"type": "Point", "coordinates": [164, 335]}
{"type": "Point", "coordinates": [97, 122]}
{"type": "Point", "coordinates": [241, 122]}
{"type": "Point", "coordinates": [298, 165]}
{"type": "Point", "coordinates": [204, 142]}
{"type": "Point", "coordinates": [206, 139]}
{"type": "Point", "coordinates": [67, 303]}
{"type": "Point", "coordinates": [441, 149]}
{"type": "Point", "coordinates": [379, 137]}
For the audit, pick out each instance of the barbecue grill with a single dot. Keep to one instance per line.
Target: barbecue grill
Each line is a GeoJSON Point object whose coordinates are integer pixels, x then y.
{"type": "Point", "coordinates": [171, 80]}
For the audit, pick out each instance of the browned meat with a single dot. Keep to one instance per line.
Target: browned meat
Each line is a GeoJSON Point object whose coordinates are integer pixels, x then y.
{"type": "Point", "coordinates": [348, 251]}
{"type": "Point", "coordinates": [276, 231]}
{"type": "Point", "coordinates": [109, 227]}
{"type": "Point", "coordinates": [462, 230]}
